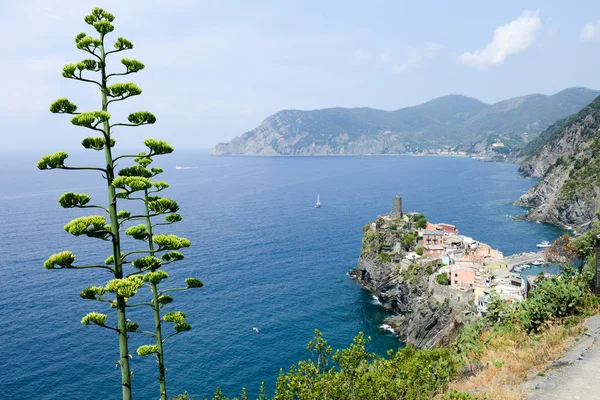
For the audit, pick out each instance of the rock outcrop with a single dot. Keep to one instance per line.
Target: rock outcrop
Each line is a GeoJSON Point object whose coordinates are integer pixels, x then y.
{"type": "Point", "coordinates": [566, 157]}
{"type": "Point", "coordinates": [421, 318]}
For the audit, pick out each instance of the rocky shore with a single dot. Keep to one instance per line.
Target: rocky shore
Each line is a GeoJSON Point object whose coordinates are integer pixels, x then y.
{"type": "Point", "coordinates": [419, 320]}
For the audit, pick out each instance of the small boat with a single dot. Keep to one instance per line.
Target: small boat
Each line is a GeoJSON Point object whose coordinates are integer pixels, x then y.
{"type": "Point", "coordinates": [318, 205]}
{"type": "Point", "coordinates": [544, 244]}
{"type": "Point", "coordinates": [518, 268]}
{"type": "Point", "coordinates": [538, 262]}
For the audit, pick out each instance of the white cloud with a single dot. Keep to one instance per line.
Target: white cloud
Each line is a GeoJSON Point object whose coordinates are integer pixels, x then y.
{"type": "Point", "coordinates": [591, 31]}
{"type": "Point", "coordinates": [416, 57]}
{"type": "Point", "coordinates": [360, 56]}
{"type": "Point", "coordinates": [512, 38]}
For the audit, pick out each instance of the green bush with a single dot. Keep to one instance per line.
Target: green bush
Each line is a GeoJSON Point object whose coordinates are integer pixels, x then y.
{"type": "Point", "coordinates": [419, 250]}
{"type": "Point", "coordinates": [420, 221]}
{"type": "Point", "coordinates": [442, 279]}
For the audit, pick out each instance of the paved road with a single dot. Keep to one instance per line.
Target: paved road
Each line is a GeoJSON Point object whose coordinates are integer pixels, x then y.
{"type": "Point", "coordinates": [577, 373]}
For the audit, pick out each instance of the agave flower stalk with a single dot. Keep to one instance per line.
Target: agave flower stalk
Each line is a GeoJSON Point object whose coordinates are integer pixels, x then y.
{"type": "Point", "coordinates": [106, 226]}
{"type": "Point", "coordinates": [138, 176]}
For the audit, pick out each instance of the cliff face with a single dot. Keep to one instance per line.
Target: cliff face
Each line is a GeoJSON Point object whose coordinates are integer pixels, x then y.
{"type": "Point", "coordinates": [402, 287]}
{"type": "Point", "coordinates": [454, 121]}
{"type": "Point", "coordinates": [420, 321]}
{"type": "Point", "coordinates": [567, 159]}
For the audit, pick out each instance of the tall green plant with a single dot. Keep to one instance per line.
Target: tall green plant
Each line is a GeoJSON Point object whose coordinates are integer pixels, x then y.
{"type": "Point", "coordinates": [106, 227]}
{"type": "Point", "coordinates": [151, 266]}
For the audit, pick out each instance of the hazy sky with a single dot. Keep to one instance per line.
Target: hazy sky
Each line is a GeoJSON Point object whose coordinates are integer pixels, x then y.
{"type": "Point", "coordinates": [215, 69]}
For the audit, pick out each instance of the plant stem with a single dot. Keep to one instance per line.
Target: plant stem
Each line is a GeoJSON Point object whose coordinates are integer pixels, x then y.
{"type": "Point", "coordinates": [114, 225]}
{"type": "Point", "coordinates": [156, 307]}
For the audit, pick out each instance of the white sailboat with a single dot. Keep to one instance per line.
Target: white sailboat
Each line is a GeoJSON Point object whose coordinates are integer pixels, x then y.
{"type": "Point", "coordinates": [318, 205]}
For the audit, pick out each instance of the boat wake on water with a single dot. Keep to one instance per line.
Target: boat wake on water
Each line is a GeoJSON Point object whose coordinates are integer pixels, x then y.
{"type": "Point", "coordinates": [178, 167]}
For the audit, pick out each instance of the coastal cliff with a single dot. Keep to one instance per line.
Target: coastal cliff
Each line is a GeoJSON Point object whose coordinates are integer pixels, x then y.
{"type": "Point", "coordinates": [406, 288]}
{"type": "Point", "coordinates": [566, 157]}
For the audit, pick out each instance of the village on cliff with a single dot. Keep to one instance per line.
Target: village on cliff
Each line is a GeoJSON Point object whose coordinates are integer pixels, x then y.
{"type": "Point", "coordinates": [473, 270]}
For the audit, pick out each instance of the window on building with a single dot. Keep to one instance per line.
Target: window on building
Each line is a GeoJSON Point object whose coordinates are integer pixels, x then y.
{"type": "Point", "coordinates": [456, 282]}
{"type": "Point", "coordinates": [456, 275]}
{"type": "Point", "coordinates": [470, 284]}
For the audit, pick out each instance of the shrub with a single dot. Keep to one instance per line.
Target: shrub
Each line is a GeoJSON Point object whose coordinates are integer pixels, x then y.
{"type": "Point", "coordinates": [442, 279]}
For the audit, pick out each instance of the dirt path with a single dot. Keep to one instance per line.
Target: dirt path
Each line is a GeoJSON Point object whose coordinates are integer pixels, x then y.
{"type": "Point", "coordinates": [576, 375]}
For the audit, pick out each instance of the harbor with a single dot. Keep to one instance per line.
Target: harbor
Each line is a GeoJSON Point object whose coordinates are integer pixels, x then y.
{"type": "Point", "coordinates": [528, 258]}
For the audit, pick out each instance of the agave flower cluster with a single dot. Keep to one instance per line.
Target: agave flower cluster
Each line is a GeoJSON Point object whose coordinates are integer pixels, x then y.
{"type": "Point", "coordinates": [144, 266]}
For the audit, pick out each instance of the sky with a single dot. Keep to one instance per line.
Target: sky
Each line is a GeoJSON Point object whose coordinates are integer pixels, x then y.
{"type": "Point", "coordinates": [216, 69]}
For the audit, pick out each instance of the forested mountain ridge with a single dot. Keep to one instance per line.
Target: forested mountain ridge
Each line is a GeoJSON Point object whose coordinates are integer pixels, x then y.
{"type": "Point", "coordinates": [453, 122]}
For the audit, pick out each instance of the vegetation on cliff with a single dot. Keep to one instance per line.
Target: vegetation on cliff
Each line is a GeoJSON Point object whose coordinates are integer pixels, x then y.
{"type": "Point", "coordinates": [566, 157]}
{"type": "Point", "coordinates": [488, 360]}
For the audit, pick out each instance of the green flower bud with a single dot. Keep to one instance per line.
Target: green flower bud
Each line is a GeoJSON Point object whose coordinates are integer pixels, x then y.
{"type": "Point", "coordinates": [173, 218]}
{"type": "Point", "coordinates": [92, 292]}
{"type": "Point", "coordinates": [123, 44]}
{"type": "Point", "coordinates": [137, 232]}
{"type": "Point", "coordinates": [125, 287]}
{"type": "Point", "coordinates": [124, 90]}
{"type": "Point", "coordinates": [158, 146]}
{"type": "Point", "coordinates": [170, 242]}
{"type": "Point", "coordinates": [172, 256]}
{"type": "Point", "coordinates": [123, 214]}
{"type": "Point", "coordinates": [131, 183]}
{"type": "Point", "coordinates": [182, 327]}
{"type": "Point", "coordinates": [163, 205]}
{"type": "Point", "coordinates": [135, 170]}
{"type": "Point", "coordinates": [90, 119]}
{"type": "Point", "coordinates": [64, 259]}
{"type": "Point", "coordinates": [155, 277]}
{"type": "Point", "coordinates": [51, 161]}
{"type": "Point", "coordinates": [131, 326]}
{"type": "Point", "coordinates": [147, 263]}
{"type": "Point", "coordinates": [146, 350]}
{"type": "Point", "coordinates": [79, 37]}
{"type": "Point", "coordinates": [89, 65]}
{"type": "Point", "coordinates": [160, 185]}
{"type": "Point", "coordinates": [103, 27]}
{"type": "Point", "coordinates": [156, 170]}
{"type": "Point", "coordinates": [132, 65]}
{"type": "Point", "coordinates": [94, 318]}
{"type": "Point", "coordinates": [62, 106]}
{"type": "Point", "coordinates": [88, 43]}
{"type": "Point", "coordinates": [69, 71]}
{"type": "Point", "coordinates": [175, 316]}
{"type": "Point", "coordinates": [71, 200]}
{"type": "Point", "coordinates": [96, 143]}
{"type": "Point", "coordinates": [165, 299]}
{"type": "Point", "coordinates": [194, 283]}
{"type": "Point", "coordinates": [93, 226]}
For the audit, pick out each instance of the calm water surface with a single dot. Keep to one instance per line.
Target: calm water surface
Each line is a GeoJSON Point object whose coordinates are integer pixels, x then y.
{"type": "Point", "coordinates": [267, 257]}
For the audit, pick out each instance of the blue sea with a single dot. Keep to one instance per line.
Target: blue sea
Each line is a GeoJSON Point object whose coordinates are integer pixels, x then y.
{"type": "Point", "coordinates": [268, 259]}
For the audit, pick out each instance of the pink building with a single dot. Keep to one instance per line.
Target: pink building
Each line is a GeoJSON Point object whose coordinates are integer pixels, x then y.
{"type": "Point", "coordinates": [448, 228]}
{"type": "Point", "coordinates": [461, 277]}
{"type": "Point", "coordinates": [451, 229]}
{"type": "Point", "coordinates": [433, 237]}
{"type": "Point", "coordinates": [433, 250]}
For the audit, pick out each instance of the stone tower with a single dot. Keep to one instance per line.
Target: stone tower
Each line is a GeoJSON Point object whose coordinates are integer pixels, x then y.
{"type": "Point", "coordinates": [397, 213]}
